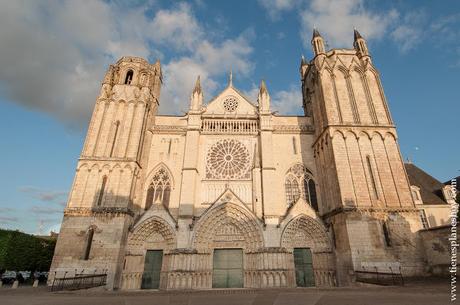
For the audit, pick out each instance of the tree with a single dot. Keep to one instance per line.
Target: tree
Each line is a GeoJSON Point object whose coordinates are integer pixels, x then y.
{"type": "Point", "coordinates": [21, 251]}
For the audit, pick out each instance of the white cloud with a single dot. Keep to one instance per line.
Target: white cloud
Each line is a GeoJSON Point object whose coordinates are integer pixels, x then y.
{"type": "Point", "coordinates": [337, 18]}
{"type": "Point", "coordinates": [276, 7]}
{"type": "Point", "coordinates": [284, 101]}
{"type": "Point", "coordinates": [253, 93]}
{"type": "Point", "coordinates": [407, 37]}
{"type": "Point", "coordinates": [410, 31]}
{"type": "Point", "coordinates": [288, 101]}
{"type": "Point", "coordinates": [210, 61]}
{"type": "Point", "coordinates": [176, 27]}
{"type": "Point", "coordinates": [179, 78]}
{"type": "Point", "coordinates": [54, 54]}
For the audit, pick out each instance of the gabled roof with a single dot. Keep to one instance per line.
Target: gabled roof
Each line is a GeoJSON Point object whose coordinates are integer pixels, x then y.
{"type": "Point", "coordinates": [245, 106]}
{"type": "Point", "coordinates": [430, 187]}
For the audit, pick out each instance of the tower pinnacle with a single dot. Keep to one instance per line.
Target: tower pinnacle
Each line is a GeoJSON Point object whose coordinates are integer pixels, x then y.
{"type": "Point", "coordinates": [197, 85]}
{"type": "Point", "coordinates": [263, 98]}
{"type": "Point", "coordinates": [196, 99]}
{"type": "Point", "coordinates": [357, 34]}
{"type": "Point", "coordinates": [317, 43]}
{"type": "Point", "coordinates": [360, 44]}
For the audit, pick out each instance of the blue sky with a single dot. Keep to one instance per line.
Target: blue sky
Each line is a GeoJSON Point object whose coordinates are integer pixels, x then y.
{"type": "Point", "coordinates": [54, 54]}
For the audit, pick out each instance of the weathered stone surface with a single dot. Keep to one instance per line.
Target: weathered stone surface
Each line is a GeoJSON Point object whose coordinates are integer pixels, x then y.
{"type": "Point", "coordinates": [231, 174]}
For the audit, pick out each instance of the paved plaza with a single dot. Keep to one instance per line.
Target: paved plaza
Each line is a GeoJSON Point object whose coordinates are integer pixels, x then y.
{"type": "Point", "coordinates": [411, 294]}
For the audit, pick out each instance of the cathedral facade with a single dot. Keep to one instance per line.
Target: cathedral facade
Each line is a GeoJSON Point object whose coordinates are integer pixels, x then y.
{"type": "Point", "coordinates": [232, 194]}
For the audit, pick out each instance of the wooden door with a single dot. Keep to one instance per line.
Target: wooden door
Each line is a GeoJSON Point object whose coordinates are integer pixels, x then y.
{"type": "Point", "coordinates": [227, 268]}
{"type": "Point", "coordinates": [152, 269]}
{"type": "Point", "coordinates": [303, 267]}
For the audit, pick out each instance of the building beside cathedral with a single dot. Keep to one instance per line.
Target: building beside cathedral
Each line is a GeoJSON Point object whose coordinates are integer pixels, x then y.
{"type": "Point", "coordinates": [233, 195]}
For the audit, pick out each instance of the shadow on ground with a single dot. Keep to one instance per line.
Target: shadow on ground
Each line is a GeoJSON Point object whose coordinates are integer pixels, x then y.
{"type": "Point", "coordinates": [414, 293]}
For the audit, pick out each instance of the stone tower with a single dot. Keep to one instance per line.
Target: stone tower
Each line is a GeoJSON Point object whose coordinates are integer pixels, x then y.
{"type": "Point", "coordinates": [102, 203]}
{"type": "Point", "coordinates": [367, 203]}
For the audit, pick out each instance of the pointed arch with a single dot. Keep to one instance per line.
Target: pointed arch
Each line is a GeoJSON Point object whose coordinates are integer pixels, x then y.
{"type": "Point", "coordinates": [228, 218]}
{"type": "Point", "coordinates": [156, 168]}
{"type": "Point", "coordinates": [299, 182]}
{"type": "Point", "coordinates": [292, 189]}
{"type": "Point", "coordinates": [150, 226]}
{"type": "Point", "coordinates": [159, 186]}
{"type": "Point", "coordinates": [304, 231]}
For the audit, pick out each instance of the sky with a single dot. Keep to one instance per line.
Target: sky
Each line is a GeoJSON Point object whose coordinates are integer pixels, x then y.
{"type": "Point", "coordinates": [53, 56]}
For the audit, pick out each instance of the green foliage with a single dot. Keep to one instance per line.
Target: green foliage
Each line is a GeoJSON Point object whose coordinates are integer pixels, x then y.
{"type": "Point", "coordinates": [20, 251]}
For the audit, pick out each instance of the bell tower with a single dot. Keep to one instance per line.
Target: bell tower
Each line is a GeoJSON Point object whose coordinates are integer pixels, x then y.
{"type": "Point", "coordinates": [102, 201]}
{"type": "Point", "coordinates": [366, 195]}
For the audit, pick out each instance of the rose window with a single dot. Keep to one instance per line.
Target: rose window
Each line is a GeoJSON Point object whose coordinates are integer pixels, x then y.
{"type": "Point", "coordinates": [228, 159]}
{"type": "Point", "coordinates": [230, 104]}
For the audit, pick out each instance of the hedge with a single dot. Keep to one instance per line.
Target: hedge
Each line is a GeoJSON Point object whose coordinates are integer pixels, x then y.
{"type": "Point", "coordinates": [20, 251]}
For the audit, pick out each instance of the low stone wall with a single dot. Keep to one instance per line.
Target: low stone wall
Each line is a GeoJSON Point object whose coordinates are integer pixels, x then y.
{"type": "Point", "coordinates": [437, 246]}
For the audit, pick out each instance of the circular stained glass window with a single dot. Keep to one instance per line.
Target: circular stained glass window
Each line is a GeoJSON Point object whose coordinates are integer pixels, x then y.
{"type": "Point", "coordinates": [228, 159]}
{"type": "Point", "coordinates": [230, 104]}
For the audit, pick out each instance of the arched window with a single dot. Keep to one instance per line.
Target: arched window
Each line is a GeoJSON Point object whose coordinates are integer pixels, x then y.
{"type": "Point", "coordinates": [114, 138]}
{"type": "Point", "coordinates": [159, 190]}
{"type": "Point", "coordinates": [101, 191]}
{"type": "Point", "coordinates": [312, 192]}
{"type": "Point", "coordinates": [149, 199]}
{"type": "Point", "coordinates": [371, 175]}
{"type": "Point", "coordinates": [166, 194]}
{"type": "Point", "coordinates": [159, 193]}
{"type": "Point", "coordinates": [292, 190]}
{"type": "Point", "coordinates": [299, 182]}
{"type": "Point", "coordinates": [129, 77]}
{"type": "Point", "coordinates": [294, 145]}
{"type": "Point", "coordinates": [386, 234]}
{"type": "Point", "coordinates": [88, 243]}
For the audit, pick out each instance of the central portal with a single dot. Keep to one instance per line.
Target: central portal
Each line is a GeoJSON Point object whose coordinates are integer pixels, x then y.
{"type": "Point", "coordinates": [227, 268]}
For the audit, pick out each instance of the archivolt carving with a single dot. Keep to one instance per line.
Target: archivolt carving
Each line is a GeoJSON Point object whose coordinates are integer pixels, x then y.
{"type": "Point", "coordinates": [231, 219]}
{"type": "Point", "coordinates": [150, 226]}
{"type": "Point", "coordinates": [304, 231]}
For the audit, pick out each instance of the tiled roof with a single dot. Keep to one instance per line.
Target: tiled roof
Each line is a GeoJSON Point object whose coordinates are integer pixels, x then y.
{"type": "Point", "coordinates": [430, 188]}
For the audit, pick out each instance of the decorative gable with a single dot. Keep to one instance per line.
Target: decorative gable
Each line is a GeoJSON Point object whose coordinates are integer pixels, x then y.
{"type": "Point", "coordinates": [230, 102]}
{"type": "Point", "coordinates": [228, 196]}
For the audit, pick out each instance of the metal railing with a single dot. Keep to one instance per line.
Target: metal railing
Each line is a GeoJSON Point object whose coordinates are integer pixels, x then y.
{"type": "Point", "coordinates": [83, 281]}
{"type": "Point", "coordinates": [380, 278]}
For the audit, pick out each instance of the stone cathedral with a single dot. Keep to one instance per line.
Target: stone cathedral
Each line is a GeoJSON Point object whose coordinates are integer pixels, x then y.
{"type": "Point", "coordinates": [232, 194]}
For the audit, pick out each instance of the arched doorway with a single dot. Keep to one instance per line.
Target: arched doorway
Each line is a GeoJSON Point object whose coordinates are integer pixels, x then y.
{"type": "Point", "coordinates": [312, 256]}
{"type": "Point", "coordinates": [227, 234]}
{"type": "Point", "coordinates": [143, 266]}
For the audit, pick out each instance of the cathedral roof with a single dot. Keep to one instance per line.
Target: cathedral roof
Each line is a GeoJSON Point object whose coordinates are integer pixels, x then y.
{"type": "Point", "coordinates": [430, 187]}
